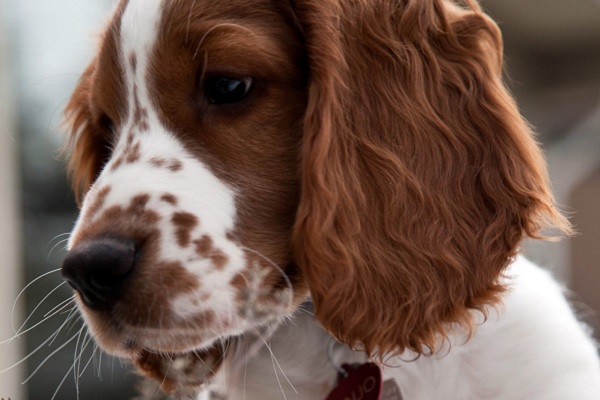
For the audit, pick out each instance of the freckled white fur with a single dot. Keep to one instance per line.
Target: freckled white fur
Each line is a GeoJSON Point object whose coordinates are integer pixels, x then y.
{"type": "Point", "coordinates": [197, 190]}
{"type": "Point", "coordinates": [532, 349]}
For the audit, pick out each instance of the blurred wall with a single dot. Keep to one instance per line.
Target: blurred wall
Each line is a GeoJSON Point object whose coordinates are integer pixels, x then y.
{"type": "Point", "coordinates": [10, 235]}
{"type": "Point", "coordinates": [553, 67]}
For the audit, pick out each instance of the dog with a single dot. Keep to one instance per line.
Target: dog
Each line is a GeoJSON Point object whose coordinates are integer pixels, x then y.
{"type": "Point", "coordinates": [236, 159]}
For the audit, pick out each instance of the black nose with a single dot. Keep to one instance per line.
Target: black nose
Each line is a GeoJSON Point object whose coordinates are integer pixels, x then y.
{"type": "Point", "coordinates": [98, 269]}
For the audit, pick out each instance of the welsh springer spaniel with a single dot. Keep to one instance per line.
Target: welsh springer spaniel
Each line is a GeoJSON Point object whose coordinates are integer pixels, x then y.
{"type": "Point", "coordinates": [238, 157]}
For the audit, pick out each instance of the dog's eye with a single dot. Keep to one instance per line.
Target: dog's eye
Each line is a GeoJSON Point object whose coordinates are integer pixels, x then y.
{"type": "Point", "coordinates": [225, 90]}
{"type": "Point", "coordinates": [106, 123]}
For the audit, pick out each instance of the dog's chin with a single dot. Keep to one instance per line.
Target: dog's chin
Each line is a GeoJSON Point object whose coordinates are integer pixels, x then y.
{"type": "Point", "coordinates": [181, 374]}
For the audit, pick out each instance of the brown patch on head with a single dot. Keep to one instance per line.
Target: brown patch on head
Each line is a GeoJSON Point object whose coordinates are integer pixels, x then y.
{"type": "Point", "coordinates": [117, 163]}
{"type": "Point", "coordinates": [204, 246]}
{"type": "Point", "coordinates": [175, 165]}
{"type": "Point", "coordinates": [129, 139]}
{"type": "Point", "coordinates": [133, 62]}
{"type": "Point", "coordinates": [133, 154]}
{"type": "Point", "coordinates": [140, 114]}
{"type": "Point", "coordinates": [184, 224]}
{"type": "Point", "coordinates": [169, 198]}
{"type": "Point", "coordinates": [138, 204]}
{"type": "Point", "coordinates": [172, 164]}
{"type": "Point", "coordinates": [158, 162]}
{"type": "Point", "coordinates": [219, 259]}
{"type": "Point", "coordinates": [97, 203]}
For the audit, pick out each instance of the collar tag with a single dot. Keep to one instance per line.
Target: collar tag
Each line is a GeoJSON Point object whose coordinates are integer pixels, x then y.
{"type": "Point", "coordinates": [361, 382]}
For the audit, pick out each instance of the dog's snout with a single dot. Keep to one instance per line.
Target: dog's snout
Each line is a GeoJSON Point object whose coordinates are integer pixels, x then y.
{"type": "Point", "coordinates": [98, 270]}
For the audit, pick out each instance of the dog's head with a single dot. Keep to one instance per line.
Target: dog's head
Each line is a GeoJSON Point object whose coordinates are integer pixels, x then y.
{"type": "Point", "coordinates": [235, 156]}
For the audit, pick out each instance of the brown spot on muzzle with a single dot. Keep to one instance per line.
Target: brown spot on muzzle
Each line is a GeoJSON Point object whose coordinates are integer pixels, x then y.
{"type": "Point", "coordinates": [184, 224]}
{"type": "Point", "coordinates": [219, 259]}
{"type": "Point", "coordinates": [169, 198]}
{"type": "Point", "coordinates": [97, 203]}
{"type": "Point", "coordinates": [205, 248]}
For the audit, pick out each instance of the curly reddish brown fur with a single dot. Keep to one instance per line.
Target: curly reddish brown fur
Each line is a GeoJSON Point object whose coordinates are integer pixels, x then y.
{"type": "Point", "coordinates": [419, 176]}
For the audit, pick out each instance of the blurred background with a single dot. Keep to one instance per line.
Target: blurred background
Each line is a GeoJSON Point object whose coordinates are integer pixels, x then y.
{"type": "Point", "coordinates": [553, 68]}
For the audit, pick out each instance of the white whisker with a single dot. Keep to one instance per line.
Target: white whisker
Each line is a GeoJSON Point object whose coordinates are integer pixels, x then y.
{"type": "Point", "coordinates": [65, 322]}
{"type": "Point", "coordinates": [50, 339]}
{"type": "Point", "coordinates": [99, 366]}
{"type": "Point", "coordinates": [22, 360]}
{"type": "Point", "coordinates": [245, 370]}
{"type": "Point", "coordinates": [78, 357]}
{"type": "Point", "coordinates": [60, 306]}
{"type": "Point", "coordinates": [96, 347]}
{"type": "Point", "coordinates": [62, 346]}
{"type": "Point", "coordinates": [12, 311]}
{"type": "Point", "coordinates": [32, 327]}
{"type": "Point", "coordinates": [53, 247]}
{"type": "Point", "coordinates": [64, 378]}
{"type": "Point", "coordinates": [274, 360]}
{"type": "Point", "coordinates": [212, 29]}
{"type": "Point", "coordinates": [57, 236]}
{"type": "Point", "coordinates": [38, 306]}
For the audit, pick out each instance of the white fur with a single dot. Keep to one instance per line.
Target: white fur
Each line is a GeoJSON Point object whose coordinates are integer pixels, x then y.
{"type": "Point", "coordinates": [533, 348]}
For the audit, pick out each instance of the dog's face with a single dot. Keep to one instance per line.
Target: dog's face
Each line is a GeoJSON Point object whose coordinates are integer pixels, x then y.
{"type": "Point", "coordinates": [196, 114]}
{"type": "Point", "coordinates": [236, 154]}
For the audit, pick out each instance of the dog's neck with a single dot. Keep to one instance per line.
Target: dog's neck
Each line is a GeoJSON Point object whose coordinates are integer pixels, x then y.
{"type": "Point", "coordinates": [295, 356]}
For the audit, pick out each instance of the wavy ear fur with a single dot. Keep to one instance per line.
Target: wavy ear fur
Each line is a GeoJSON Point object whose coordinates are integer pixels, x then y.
{"type": "Point", "coordinates": [419, 176]}
{"type": "Point", "coordinates": [90, 130]}
{"type": "Point", "coordinates": [88, 145]}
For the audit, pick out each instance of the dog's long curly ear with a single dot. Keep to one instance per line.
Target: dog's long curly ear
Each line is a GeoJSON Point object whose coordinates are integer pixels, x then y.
{"type": "Point", "coordinates": [419, 176]}
{"type": "Point", "coordinates": [87, 146]}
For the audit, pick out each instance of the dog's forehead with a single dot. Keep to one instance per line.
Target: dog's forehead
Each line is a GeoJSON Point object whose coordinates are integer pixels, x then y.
{"type": "Point", "coordinates": [144, 15]}
{"type": "Point", "coordinates": [139, 26]}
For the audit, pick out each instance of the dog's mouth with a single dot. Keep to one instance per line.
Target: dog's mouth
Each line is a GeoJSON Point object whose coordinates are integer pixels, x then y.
{"type": "Point", "coordinates": [181, 374]}
{"type": "Point", "coordinates": [178, 361]}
